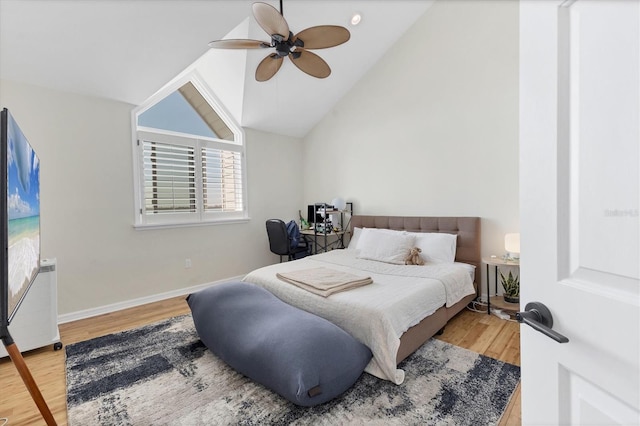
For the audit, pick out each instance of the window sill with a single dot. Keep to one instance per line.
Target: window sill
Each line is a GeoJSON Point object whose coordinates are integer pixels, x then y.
{"type": "Point", "coordinates": [145, 227]}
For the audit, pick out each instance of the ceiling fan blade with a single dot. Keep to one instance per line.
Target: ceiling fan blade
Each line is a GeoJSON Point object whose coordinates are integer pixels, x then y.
{"type": "Point", "coordinates": [237, 44]}
{"type": "Point", "coordinates": [268, 67]}
{"type": "Point", "coordinates": [310, 63]}
{"type": "Point", "coordinates": [270, 20]}
{"type": "Point", "coordinates": [323, 36]}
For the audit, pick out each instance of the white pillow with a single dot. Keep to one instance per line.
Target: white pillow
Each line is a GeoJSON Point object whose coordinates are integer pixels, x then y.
{"type": "Point", "coordinates": [390, 247]}
{"type": "Point", "coordinates": [381, 231]}
{"type": "Point", "coordinates": [436, 247]}
{"type": "Point", "coordinates": [353, 242]}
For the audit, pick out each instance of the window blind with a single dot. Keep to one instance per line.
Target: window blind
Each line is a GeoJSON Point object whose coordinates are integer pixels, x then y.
{"type": "Point", "coordinates": [222, 180]}
{"type": "Point", "coordinates": [169, 178]}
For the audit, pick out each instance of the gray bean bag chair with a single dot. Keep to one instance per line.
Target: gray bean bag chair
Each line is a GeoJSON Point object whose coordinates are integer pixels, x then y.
{"type": "Point", "coordinates": [304, 358]}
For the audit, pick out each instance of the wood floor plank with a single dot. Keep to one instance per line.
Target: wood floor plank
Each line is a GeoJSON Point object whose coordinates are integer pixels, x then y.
{"type": "Point", "coordinates": [475, 331]}
{"type": "Point", "coordinates": [501, 344]}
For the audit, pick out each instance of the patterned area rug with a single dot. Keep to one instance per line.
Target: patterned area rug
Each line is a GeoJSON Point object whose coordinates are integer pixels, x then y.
{"type": "Point", "coordinates": [162, 374]}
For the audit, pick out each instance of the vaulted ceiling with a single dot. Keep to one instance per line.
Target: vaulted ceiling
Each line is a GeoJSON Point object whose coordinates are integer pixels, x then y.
{"type": "Point", "coordinates": [128, 50]}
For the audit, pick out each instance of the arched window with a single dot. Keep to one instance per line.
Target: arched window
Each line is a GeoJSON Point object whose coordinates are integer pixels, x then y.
{"type": "Point", "coordinates": [189, 159]}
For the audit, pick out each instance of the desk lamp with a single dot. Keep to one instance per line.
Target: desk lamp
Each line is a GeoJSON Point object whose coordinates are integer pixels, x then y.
{"type": "Point", "coordinates": [512, 246]}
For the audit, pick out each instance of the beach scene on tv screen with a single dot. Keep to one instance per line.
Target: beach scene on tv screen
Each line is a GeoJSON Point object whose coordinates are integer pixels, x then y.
{"type": "Point", "coordinates": [23, 208]}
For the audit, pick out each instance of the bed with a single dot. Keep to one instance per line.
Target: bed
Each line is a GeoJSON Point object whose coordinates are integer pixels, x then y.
{"type": "Point", "coordinates": [405, 305]}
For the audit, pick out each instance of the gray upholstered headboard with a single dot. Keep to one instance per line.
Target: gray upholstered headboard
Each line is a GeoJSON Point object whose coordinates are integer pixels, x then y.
{"type": "Point", "coordinates": [467, 229]}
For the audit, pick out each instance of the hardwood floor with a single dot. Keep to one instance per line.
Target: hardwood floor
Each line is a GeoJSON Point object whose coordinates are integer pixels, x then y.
{"type": "Point", "coordinates": [485, 334]}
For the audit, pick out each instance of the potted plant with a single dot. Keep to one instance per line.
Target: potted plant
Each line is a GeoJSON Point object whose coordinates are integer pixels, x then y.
{"type": "Point", "coordinates": [511, 285]}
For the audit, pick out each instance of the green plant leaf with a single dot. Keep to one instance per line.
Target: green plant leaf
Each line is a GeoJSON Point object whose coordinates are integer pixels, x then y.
{"type": "Point", "coordinates": [511, 284]}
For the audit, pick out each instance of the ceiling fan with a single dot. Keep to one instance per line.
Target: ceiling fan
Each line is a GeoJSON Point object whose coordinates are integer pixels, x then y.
{"type": "Point", "coordinates": [286, 43]}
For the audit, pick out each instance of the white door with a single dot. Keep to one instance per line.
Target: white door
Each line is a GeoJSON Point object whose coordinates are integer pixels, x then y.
{"type": "Point", "coordinates": [579, 191]}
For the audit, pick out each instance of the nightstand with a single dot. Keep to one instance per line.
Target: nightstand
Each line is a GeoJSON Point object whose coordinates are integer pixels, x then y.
{"type": "Point", "coordinates": [498, 301]}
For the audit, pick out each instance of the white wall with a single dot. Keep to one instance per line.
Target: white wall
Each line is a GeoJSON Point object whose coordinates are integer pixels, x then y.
{"type": "Point", "coordinates": [84, 145]}
{"type": "Point", "coordinates": [432, 129]}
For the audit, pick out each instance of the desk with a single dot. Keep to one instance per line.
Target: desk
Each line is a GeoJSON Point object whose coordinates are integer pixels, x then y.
{"type": "Point", "coordinates": [322, 241]}
{"type": "Point", "coordinates": [497, 300]}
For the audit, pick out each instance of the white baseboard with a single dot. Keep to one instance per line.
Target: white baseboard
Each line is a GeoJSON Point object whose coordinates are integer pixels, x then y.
{"type": "Point", "coordinates": [88, 313]}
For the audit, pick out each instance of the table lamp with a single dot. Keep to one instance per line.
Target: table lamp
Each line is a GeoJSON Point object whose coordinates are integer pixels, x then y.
{"type": "Point", "coordinates": [512, 246]}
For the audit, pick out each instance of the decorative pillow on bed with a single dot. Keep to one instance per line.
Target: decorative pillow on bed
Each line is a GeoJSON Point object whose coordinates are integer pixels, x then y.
{"type": "Point", "coordinates": [437, 247]}
{"type": "Point", "coordinates": [385, 246]}
{"type": "Point", "coordinates": [301, 356]}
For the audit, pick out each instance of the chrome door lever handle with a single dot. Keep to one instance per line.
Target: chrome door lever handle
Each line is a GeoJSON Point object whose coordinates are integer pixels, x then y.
{"type": "Point", "coordinates": [538, 316]}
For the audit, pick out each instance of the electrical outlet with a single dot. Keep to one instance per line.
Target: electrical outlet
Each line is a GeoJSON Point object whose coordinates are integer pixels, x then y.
{"type": "Point", "coordinates": [187, 263]}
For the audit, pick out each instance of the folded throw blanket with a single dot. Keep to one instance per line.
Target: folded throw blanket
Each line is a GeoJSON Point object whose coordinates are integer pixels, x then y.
{"type": "Point", "coordinates": [324, 281]}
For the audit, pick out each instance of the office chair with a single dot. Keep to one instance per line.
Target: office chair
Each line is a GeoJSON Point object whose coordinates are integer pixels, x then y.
{"type": "Point", "coordinates": [280, 242]}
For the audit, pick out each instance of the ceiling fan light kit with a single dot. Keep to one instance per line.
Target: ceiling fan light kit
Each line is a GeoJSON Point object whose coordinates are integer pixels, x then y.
{"type": "Point", "coordinates": [286, 43]}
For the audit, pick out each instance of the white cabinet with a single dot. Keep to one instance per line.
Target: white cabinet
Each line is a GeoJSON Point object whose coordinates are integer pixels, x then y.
{"type": "Point", "coordinates": [36, 322]}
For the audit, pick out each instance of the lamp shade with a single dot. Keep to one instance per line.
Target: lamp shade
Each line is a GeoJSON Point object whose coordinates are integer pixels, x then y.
{"type": "Point", "coordinates": [339, 203]}
{"type": "Point", "coordinates": [512, 243]}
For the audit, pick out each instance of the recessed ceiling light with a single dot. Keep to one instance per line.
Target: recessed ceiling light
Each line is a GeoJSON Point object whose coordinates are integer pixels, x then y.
{"type": "Point", "coordinates": [355, 19]}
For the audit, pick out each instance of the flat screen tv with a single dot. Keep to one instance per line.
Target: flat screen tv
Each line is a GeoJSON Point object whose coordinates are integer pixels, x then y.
{"type": "Point", "coordinates": [20, 217]}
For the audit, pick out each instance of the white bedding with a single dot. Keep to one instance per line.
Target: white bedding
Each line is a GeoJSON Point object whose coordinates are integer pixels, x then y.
{"type": "Point", "coordinates": [376, 314]}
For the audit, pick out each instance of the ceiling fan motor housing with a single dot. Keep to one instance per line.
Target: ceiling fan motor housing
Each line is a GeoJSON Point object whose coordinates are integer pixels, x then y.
{"type": "Point", "coordinates": [284, 47]}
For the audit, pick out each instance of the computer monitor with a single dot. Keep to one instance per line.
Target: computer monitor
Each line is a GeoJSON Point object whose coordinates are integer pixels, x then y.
{"type": "Point", "coordinates": [312, 214]}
